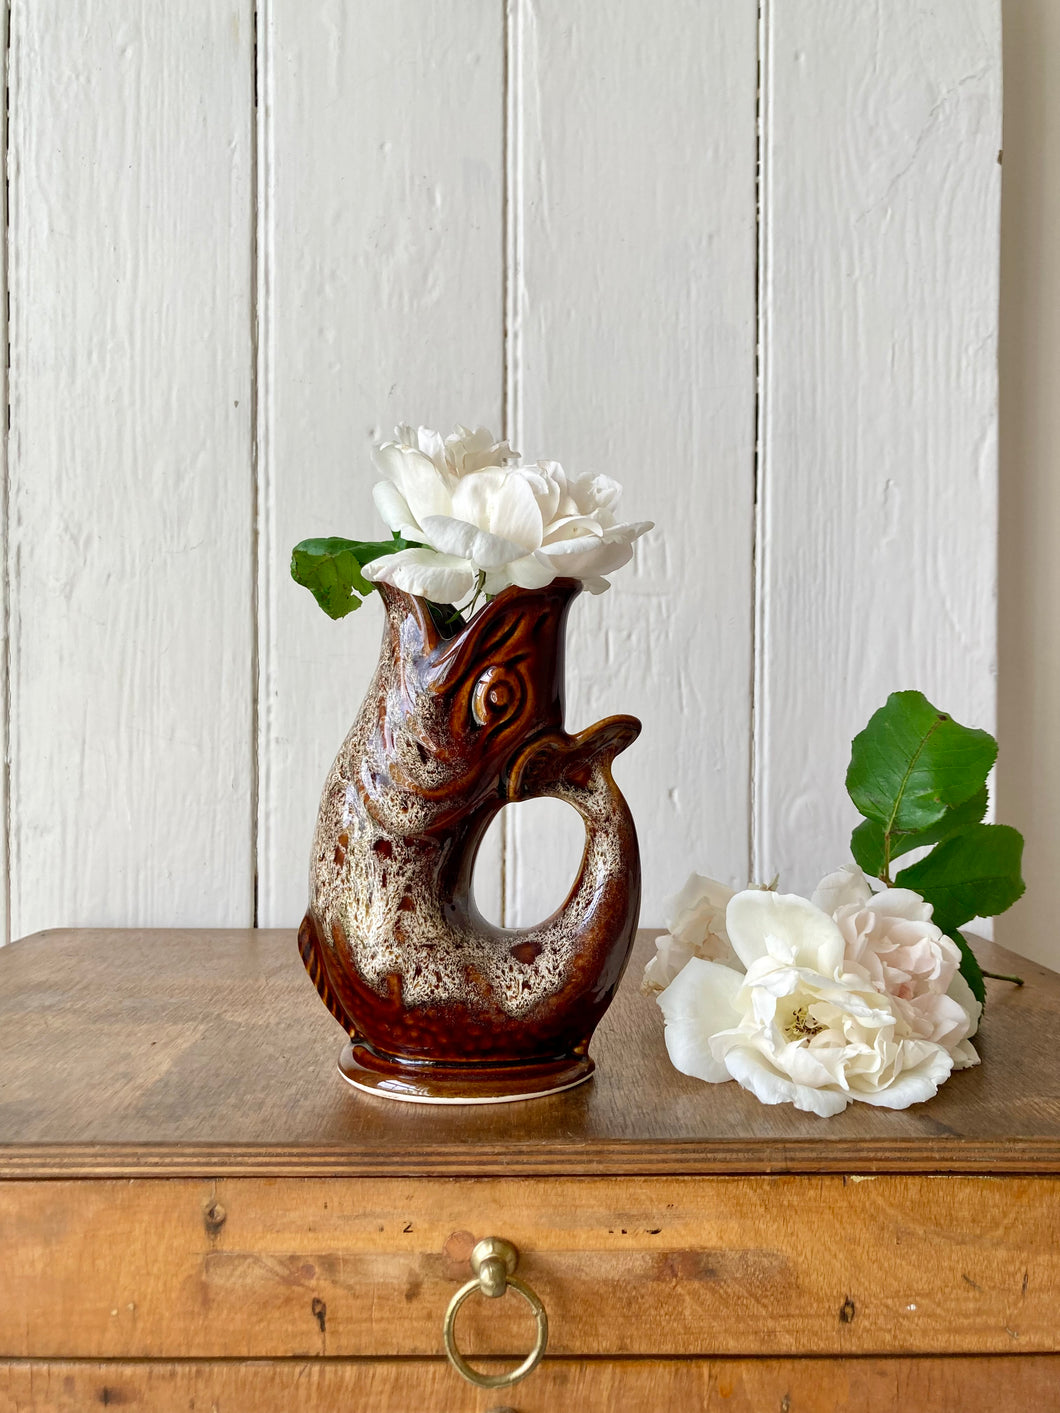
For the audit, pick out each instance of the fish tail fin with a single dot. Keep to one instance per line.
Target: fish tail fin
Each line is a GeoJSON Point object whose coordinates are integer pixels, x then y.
{"type": "Point", "coordinates": [556, 761]}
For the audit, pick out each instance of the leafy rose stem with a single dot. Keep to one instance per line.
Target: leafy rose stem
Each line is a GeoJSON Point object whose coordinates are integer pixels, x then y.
{"type": "Point", "coordinates": [918, 778]}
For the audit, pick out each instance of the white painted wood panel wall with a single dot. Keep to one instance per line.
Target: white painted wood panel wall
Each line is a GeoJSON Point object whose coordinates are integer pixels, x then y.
{"type": "Point", "coordinates": [743, 258]}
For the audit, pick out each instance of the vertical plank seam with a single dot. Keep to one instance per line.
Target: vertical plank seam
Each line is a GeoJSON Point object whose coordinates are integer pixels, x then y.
{"type": "Point", "coordinates": [511, 266]}
{"type": "Point", "coordinates": [255, 611]}
{"type": "Point", "coordinates": [759, 537]}
{"type": "Point", "coordinates": [261, 468]}
{"type": "Point", "coordinates": [5, 494]}
{"type": "Point", "coordinates": [999, 51]}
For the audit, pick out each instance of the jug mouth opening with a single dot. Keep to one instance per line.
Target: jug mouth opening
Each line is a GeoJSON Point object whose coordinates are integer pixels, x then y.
{"type": "Point", "coordinates": [449, 621]}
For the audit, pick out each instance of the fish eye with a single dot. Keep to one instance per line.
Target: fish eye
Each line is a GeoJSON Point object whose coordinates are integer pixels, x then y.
{"type": "Point", "coordinates": [498, 694]}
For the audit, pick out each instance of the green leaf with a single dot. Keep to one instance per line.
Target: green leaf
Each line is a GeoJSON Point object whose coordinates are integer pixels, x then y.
{"type": "Point", "coordinates": [970, 968]}
{"type": "Point", "coordinates": [973, 874]}
{"type": "Point", "coordinates": [867, 842]}
{"type": "Point", "coordinates": [331, 570]}
{"type": "Point", "coordinates": [912, 763]}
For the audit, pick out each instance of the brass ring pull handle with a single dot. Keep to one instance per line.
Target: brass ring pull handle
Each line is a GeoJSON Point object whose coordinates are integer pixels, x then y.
{"type": "Point", "coordinates": [494, 1261]}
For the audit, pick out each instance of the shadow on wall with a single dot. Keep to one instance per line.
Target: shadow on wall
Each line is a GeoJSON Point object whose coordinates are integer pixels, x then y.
{"type": "Point", "coordinates": [1029, 602]}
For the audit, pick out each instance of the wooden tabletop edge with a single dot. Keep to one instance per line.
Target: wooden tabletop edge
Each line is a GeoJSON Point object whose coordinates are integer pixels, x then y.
{"type": "Point", "coordinates": [1027, 1157]}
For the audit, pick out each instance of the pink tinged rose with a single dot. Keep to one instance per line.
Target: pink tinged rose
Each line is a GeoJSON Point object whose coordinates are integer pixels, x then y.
{"type": "Point", "coordinates": [807, 1024]}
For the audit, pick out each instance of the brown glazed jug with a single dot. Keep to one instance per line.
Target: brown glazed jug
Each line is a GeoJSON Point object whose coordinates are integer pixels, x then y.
{"type": "Point", "coordinates": [440, 1005]}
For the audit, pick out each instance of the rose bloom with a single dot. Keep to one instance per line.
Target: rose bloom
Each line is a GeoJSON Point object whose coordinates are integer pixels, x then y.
{"type": "Point", "coordinates": [891, 935]}
{"type": "Point", "coordinates": [805, 1024]}
{"type": "Point", "coordinates": [474, 513]}
{"type": "Point", "coordinates": [695, 918]}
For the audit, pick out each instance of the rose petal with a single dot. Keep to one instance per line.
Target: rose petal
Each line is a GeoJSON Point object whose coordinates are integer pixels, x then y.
{"type": "Point", "coordinates": [912, 1086]}
{"type": "Point", "coordinates": [431, 444]}
{"type": "Point", "coordinates": [939, 1018]}
{"type": "Point", "coordinates": [572, 532]}
{"type": "Point", "coordinates": [699, 1001]}
{"type": "Point", "coordinates": [846, 885]}
{"type": "Point", "coordinates": [903, 903]}
{"type": "Point", "coordinates": [417, 478]}
{"type": "Point", "coordinates": [752, 1071]}
{"type": "Point", "coordinates": [671, 956]}
{"type": "Point", "coordinates": [963, 995]}
{"type": "Point", "coordinates": [393, 507]}
{"type": "Point", "coordinates": [501, 503]}
{"type": "Point", "coordinates": [761, 923]}
{"type": "Point", "coordinates": [456, 537]}
{"type": "Point", "coordinates": [698, 907]}
{"type": "Point", "coordinates": [965, 1056]}
{"type": "Point", "coordinates": [548, 491]}
{"type": "Point", "coordinates": [530, 572]}
{"type": "Point", "coordinates": [599, 559]}
{"type": "Point", "coordinates": [467, 450]}
{"type": "Point", "coordinates": [597, 495]}
{"type": "Point", "coordinates": [615, 551]}
{"type": "Point", "coordinates": [438, 577]}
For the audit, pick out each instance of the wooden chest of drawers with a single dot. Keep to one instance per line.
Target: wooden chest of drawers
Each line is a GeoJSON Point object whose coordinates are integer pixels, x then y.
{"type": "Point", "coordinates": [196, 1212]}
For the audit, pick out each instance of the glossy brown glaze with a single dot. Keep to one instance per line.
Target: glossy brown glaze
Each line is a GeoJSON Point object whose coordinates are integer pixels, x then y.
{"type": "Point", "coordinates": [438, 1002]}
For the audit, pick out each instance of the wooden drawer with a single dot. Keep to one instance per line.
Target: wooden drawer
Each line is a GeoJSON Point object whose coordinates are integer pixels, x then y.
{"type": "Point", "coordinates": [973, 1385]}
{"type": "Point", "coordinates": [769, 1266]}
{"type": "Point", "coordinates": [181, 1228]}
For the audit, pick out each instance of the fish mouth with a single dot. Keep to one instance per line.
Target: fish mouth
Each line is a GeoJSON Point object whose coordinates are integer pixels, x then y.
{"type": "Point", "coordinates": [556, 761]}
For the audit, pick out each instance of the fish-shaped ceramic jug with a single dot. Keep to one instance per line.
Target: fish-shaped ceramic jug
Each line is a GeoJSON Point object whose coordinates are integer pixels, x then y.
{"type": "Point", "coordinates": [440, 1005]}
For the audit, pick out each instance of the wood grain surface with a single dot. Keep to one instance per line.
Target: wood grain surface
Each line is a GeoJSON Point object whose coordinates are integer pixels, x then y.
{"type": "Point", "coordinates": [256, 1267]}
{"type": "Point", "coordinates": [125, 1052]}
{"type": "Point", "coordinates": [974, 1385]}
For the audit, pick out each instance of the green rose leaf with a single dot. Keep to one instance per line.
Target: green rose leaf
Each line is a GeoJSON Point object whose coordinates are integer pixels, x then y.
{"type": "Point", "coordinates": [912, 763]}
{"type": "Point", "coordinates": [919, 779]}
{"type": "Point", "coordinates": [970, 968]}
{"type": "Point", "coordinates": [866, 844]}
{"type": "Point", "coordinates": [973, 874]}
{"type": "Point", "coordinates": [869, 847]}
{"type": "Point", "coordinates": [331, 570]}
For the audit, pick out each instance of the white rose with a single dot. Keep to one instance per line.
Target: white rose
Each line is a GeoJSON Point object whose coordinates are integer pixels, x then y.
{"type": "Point", "coordinates": [469, 518]}
{"type": "Point", "coordinates": [890, 935]}
{"type": "Point", "coordinates": [474, 514]}
{"type": "Point", "coordinates": [800, 1027]}
{"type": "Point", "coordinates": [695, 919]}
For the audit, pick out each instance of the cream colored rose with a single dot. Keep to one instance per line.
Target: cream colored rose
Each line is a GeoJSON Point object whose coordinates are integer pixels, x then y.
{"type": "Point", "coordinates": [477, 518]}
{"type": "Point", "coordinates": [803, 1025]}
